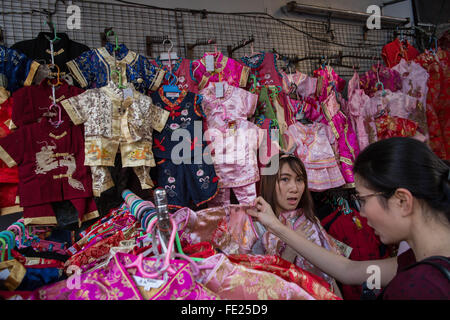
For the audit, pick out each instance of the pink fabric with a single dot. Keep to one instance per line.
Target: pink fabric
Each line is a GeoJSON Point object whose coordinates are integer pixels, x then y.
{"type": "Point", "coordinates": [414, 83]}
{"type": "Point", "coordinates": [234, 153]}
{"type": "Point", "coordinates": [390, 79]}
{"type": "Point", "coordinates": [232, 281]}
{"type": "Point", "coordinates": [263, 66]}
{"type": "Point", "coordinates": [302, 84]}
{"type": "Point", "coordinates": [115, 282]}
{"type": "Point", "coordinates": [228, 228]}
{"type": "Point", "coordinates": [357, 106]}
{"type": "Point", "coordinates": [234, 140]}
{"type": "Point", "coordinates": [325, 79]}
{"type": "Point", "coordinates": [345, 136]}
{"type": "Point", "coordinates": [400, 105]}
{"type": "Point", "coordinates": [274, 246]}
{"type": "Point", "coordinates": [314, 149]}
{"type": "Point", "coordinates": [226, 69]}
{"type": "Point", "coordinates": [245, 195]}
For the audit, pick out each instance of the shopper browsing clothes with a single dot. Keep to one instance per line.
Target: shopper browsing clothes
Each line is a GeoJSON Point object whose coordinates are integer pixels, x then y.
{"type": "Point", "coordinates": [404, 192]}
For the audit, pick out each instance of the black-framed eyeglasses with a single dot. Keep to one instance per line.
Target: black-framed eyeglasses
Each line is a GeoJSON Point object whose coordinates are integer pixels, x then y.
{"type": "Point", "coordinates": [361, 200]}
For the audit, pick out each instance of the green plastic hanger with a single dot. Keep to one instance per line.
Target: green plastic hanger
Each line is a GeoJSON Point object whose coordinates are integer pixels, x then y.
{"type": "Point", "coordinates": [115, 38]}
{"type": "Point", "coordinates": [121, 86]}
{"type": "Point", "coordinates": [50, 24]}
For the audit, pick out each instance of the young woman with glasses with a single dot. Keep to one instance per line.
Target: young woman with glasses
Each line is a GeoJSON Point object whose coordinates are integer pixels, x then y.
{"type": "Point", "coordinates": [404, 192]}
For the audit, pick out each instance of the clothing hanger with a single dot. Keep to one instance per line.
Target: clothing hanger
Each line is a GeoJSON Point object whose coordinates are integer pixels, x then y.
{"type": "Point", "coordinates": [52, 29]}
{"type": "Point", "coordinates": [8, 242]}
{"type": "Point", "coordinates": [171, 87]}
{"type": "Point", "coordinates": [116, 39]}
{"type": "Point", "coordinates": [120, 85]}
{"type": "Point", "coordinates": [170, 55]}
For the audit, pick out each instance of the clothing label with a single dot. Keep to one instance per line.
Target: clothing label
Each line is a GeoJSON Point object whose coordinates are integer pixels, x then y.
{"type": "Point", "coordinates": [128, 92]}
{"type": "Point", "coordinates": [148, 283]}
{"type": "Point", "coordinates": [209, 62]}
{"type": "Point", "coordinates": [4, 274]}
{"type": "Point", "coordinates": [219, 89]}
{"type": "Point", "coordinates": [172, 94]}
{"type": "Point", "coordinates": [345, 249]}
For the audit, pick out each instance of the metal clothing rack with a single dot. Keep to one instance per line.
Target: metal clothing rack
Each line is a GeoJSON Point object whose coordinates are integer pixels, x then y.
{"type": "Point", "coordinates": [144, 29]}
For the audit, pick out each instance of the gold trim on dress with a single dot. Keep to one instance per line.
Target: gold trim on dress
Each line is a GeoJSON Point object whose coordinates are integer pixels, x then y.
{"type": "Point", "coordinates": [244, 77]}
{"type": "Point", "coordinates": [76, 72]}
{"type": "Point", "coordinates": [33, 69]}
{"type": "Point", "coordinates": [10, 210]}
{"type": "Point", "coordinates": [7, 158]}
{"type": "Point", "coordinates": [40, 221]}
{"type": "Point", "coordinates": [71, 111]}
{"type": "Point", "coordinates": [159, 78]}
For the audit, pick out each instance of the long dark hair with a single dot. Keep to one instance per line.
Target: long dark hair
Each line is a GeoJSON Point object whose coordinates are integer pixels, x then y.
{"type": "Point", "coordinates": [406, 163]}
{"type": "Point", "coordinates": [269, 183]}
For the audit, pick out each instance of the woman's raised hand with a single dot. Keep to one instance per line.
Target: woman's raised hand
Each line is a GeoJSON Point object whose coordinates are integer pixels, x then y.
{"type": "Point", "coordinates": [263, 212]}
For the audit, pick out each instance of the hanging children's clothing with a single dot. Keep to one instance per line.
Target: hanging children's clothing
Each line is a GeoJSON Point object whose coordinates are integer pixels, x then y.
{"type": "Point", "coordinates": [314, 149]}
{"type": "Point", "coordinates": [225, 69]}
{"type": "Point", "coordinates": [116, 118]}
{"type": "Point", "coordinates": [328, 81]}
{"type": "Point", "coordinates": [438, 114]}
{"type": "Point", "coordinates": [51, 169]}
{"type": "Point", "coordinates": [9, 177]}
{"type": "Point", "coordinates": [234, 141]}
{"type": "Point", "coordinates": [181, 69]}
{"type": "Point", "coordinates": [16, 69]}
{"type": "Point", "coordinates": [31, 104]}
{"type": "Point", "coordinates": [264, 67]}
{"type": "Point", "coordinates": [300, 84]}
{"type": "Point", "coordinates": [415, 79]}
{"type": "Point", "coordinates": [400, 105]}
{"type": "Point", "coordinates": [182, 170]}
{"type": "Point", "coordinates": [342, 129]}
{"type": "Point", "coordinates": [92, 69]}
{"type": "Point", "coordinates": [396, 50]}
{"type": "Point", "coordinates": [64, 49]}
{"type": "Point", "coordinates": [390, 79]}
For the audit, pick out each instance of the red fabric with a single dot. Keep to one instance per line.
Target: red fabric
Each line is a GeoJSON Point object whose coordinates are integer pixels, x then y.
{"type": "Point", "coordinates": [438, 100]}
{"type": "Point", "coordinates": [389, 126]}
{"type": "Point", "coordinates": [198, 250]}
{"type": "Point", "coordinates": [352, 229]}
{"type": "Point", "coordinates": [31, 102]}
{"type": "Point", "coordinates": [15, 295]}
{"type": "Point", "coordinates": [96, 251]}
{"type": "Point", "coordinates": [9, 177]}
{"type": "Point", "coordinates": [397, 50]}
{"type": "Point", "coordinates": [314, 285]}
{"type": "Point", "coordinates": [422, 282]}
{"type": "Point", "coordinates": [43, 152]}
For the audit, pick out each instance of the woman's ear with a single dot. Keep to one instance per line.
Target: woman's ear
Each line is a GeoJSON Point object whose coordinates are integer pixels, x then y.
{"type": "Point", "coordinates": [404, 200]}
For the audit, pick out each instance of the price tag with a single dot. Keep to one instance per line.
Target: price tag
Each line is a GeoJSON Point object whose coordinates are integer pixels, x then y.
{"type": "Point", "coordinates": [172, 94]}
{"type": "Point", "coordinates": [219, 89]}
{"type": "Point", "coordinates": [209, 62]}
{"type": "Point", "coordinates": [128, 92]}
{"type": "Point", "coordinates": [4, 274]}
{"type": "Point", "coordinates": [148, 283]}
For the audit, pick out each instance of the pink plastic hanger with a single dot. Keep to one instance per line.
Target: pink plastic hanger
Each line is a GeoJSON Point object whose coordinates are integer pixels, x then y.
{"type": "Point", "coordinates": [138, 263]}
